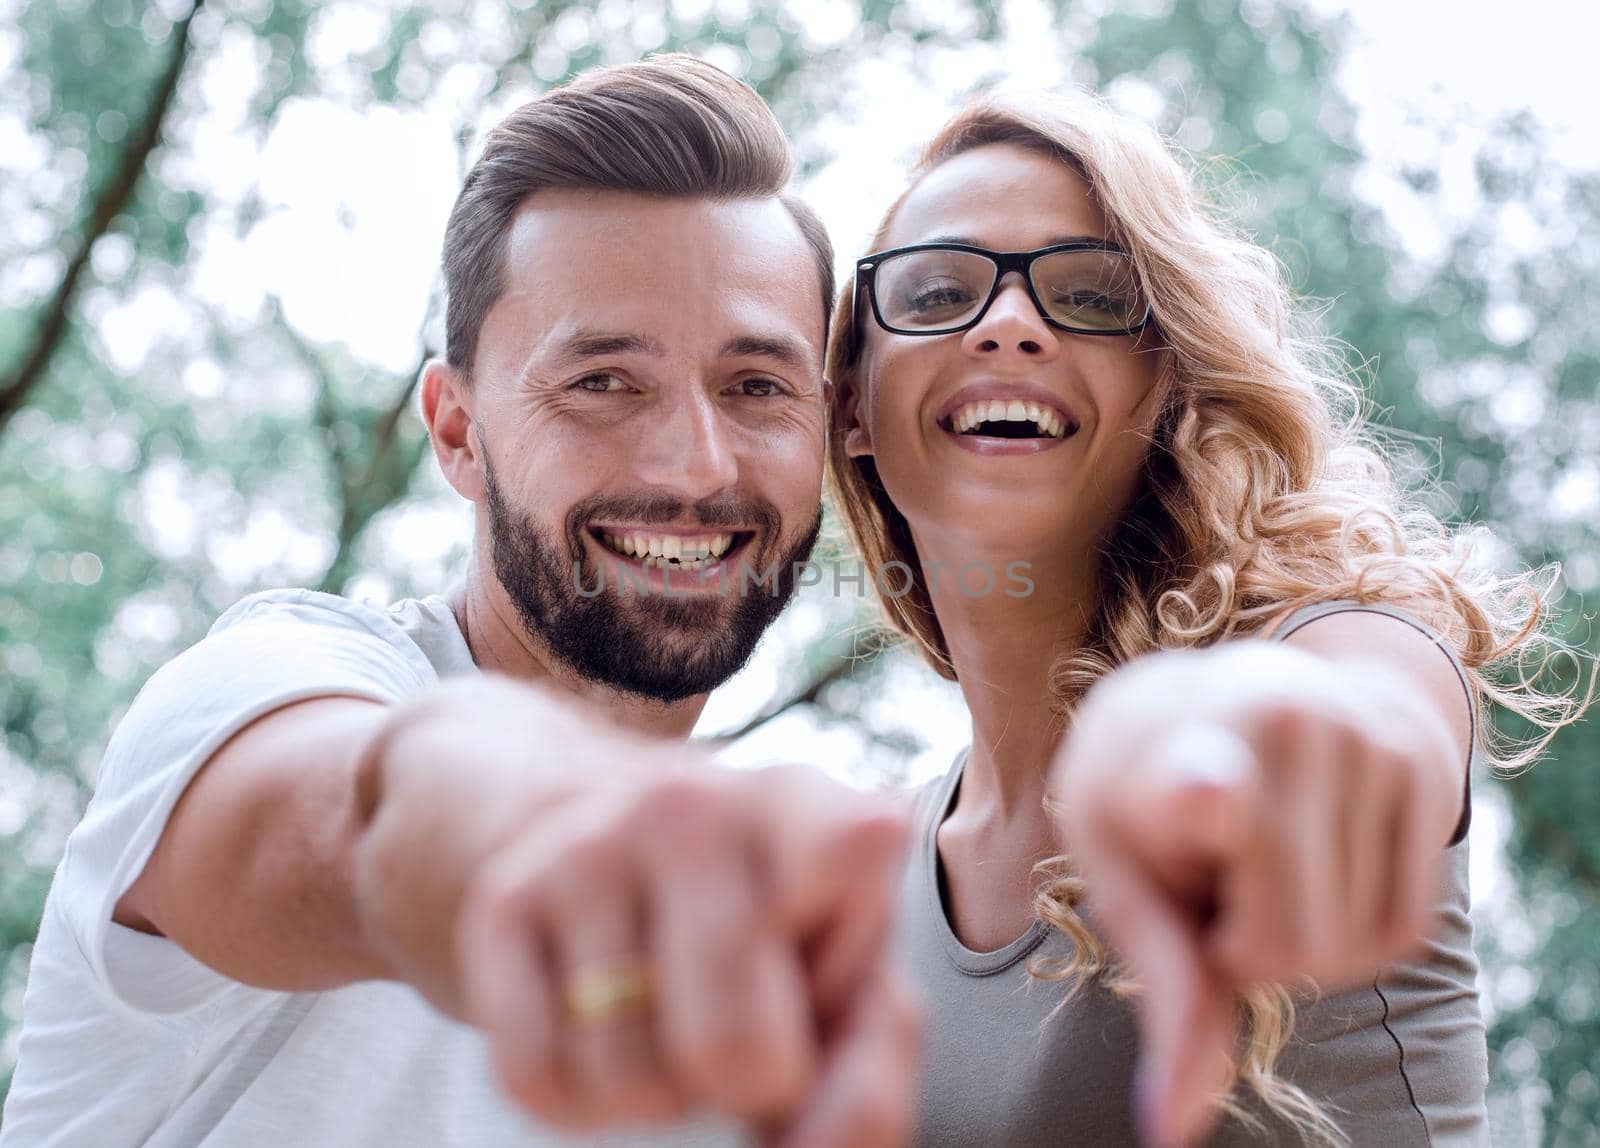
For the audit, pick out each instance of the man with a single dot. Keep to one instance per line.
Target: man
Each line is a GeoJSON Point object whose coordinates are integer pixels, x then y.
{"type": "Point", "coordinates": [337, 887]}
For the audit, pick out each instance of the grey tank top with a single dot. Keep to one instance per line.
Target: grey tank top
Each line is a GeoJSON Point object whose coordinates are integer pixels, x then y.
{"type": "Point", "coordinates": [1400, 1062]}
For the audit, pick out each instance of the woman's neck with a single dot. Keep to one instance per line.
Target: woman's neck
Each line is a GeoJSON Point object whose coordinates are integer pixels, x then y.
{"type": "Point", "coordinates": [1003, 648]}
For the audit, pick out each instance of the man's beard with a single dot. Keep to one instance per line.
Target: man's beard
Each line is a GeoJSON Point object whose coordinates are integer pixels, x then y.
{"type": "Point", "coordinates": [664, 647]}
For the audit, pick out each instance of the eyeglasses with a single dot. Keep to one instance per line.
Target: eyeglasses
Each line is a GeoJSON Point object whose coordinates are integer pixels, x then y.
{"type": "Point", "coordinates": [942, 288]}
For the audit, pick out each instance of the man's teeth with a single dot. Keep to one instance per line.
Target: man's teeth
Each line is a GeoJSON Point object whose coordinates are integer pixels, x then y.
{"type": "Point", "coordinates": [660, 550]}
{"type": "Point", "coordinates": [1046, 420]}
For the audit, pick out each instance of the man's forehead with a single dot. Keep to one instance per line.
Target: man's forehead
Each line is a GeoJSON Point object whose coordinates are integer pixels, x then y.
{"type": "Point", "coordinates": [564, 234]}
{"type": "Point", "coordinates": [619, 263]}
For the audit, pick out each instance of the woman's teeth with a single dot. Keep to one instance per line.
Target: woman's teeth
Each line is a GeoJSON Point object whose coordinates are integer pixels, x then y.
{"type": "Point", "coordinates": [669, 551]}
{"type": "Point", "coordinates": [1046, 422]}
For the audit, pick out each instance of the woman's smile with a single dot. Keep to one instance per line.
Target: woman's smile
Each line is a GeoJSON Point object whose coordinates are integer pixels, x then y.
{"type": "Point", "coordinates": [994, 418]}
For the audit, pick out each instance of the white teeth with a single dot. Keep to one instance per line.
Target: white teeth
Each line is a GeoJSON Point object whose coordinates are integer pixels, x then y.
{"type": "Point", "coordinates": [1014, 410]}
{"type": "Point", "coordinates": [656, 550]}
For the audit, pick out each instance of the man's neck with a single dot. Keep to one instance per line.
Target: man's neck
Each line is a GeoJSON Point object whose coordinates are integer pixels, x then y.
{"type": "Point", "coordinates": [501, 644]}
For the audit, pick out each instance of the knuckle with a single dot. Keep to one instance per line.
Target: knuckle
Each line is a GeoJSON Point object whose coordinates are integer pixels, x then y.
{"type": "Point", "coordinates": [1278, 719]}
{"type": "Point", "coordinates": [680, 802]}
{"type": "Point", "coordinates": [1354, 743]}
{"type": "Point", "coordinates": [588, 858]}
{"type": "Point", "coordinates": [731, 932]}
{"type": "Point", "coordinates": [498, 891]}
{"type": "Point", "coordinates": [727, 1051]}
{"type": "Point", "coordinates": [876, 830]}
{"type": "Point", "coordinates": [534, 1091]}
{"type": "Point", "coordinates": [742, 1071]}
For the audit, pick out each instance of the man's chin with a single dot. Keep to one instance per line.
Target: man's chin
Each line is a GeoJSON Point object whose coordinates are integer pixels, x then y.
{"type": "Point", "coordinates": [694, 618]}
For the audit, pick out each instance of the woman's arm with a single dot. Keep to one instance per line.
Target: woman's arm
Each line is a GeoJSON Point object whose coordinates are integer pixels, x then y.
{"type": "Point", "coordinates": [1261, 811]}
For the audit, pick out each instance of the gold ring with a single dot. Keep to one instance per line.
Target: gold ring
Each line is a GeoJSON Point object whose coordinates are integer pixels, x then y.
{"type": "Point", "coordinates": [607, 991]}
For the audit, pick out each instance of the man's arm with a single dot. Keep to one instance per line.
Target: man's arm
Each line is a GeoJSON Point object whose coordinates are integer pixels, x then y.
{"type": "Point", "coordinates": [469, 842]}
{"type": "Point", "coordinates": [253, 873]}
{"type": "Point", "coordinates": [266, 870]}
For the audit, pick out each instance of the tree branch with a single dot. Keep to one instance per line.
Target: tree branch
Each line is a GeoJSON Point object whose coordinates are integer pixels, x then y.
{"type": "Point", "coordinates": [385, 427]}
{"type": "Point", "coordinates": [840, 669]}
{"type": "Point", "coordinates": [111, 201]}
{"type": "Point", "coordinates": [325, 412]}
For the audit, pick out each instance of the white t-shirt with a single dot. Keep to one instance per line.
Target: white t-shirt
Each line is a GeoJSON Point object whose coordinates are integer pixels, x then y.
{"type": "Point", "coordinates": [126, 1039]}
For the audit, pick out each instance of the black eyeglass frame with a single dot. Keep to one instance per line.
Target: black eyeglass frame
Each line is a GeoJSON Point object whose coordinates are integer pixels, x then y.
{"type": "Point", "coordinates": [1005, 262]}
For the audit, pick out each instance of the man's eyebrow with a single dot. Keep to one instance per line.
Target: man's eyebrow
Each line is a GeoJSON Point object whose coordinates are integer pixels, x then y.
{"type": "Point", "coordinates": [593, 344]}
{"type": "Point", "coordinates": [790, 352]}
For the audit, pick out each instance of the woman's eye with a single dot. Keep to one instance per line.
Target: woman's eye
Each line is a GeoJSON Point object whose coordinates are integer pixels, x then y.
{"type": "Point", "coordinates": [599, 383]}
{"type": "Point", "coordinates": [1092, 300]}
{"type": "Point", "coordinates": [932, 296]}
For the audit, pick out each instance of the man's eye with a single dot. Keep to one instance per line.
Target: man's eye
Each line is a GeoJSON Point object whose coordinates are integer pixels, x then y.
{"type": "Point", "coordinates": [599, 383]}
{"type": "Point", "coordinates": [761, 388]}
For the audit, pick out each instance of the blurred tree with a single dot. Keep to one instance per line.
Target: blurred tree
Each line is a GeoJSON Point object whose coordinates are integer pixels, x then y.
{"type": "Point", "coordinates": [131, 483]}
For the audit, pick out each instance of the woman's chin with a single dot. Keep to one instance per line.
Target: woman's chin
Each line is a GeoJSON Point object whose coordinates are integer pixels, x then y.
{"type": "Point", "coordinates": [995, 527]}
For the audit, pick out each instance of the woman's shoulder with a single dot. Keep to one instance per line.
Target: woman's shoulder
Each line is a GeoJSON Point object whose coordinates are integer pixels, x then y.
{"type": "Point", "coordinates": [1292, 616]}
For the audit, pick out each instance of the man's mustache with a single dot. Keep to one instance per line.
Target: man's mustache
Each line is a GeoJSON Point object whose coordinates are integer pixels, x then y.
{"type": "Point", "coordinates": [727, 509]}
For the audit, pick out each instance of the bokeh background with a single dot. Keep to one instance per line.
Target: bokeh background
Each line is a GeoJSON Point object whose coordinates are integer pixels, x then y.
{"type": "Point", "coordinates": [219, 232]}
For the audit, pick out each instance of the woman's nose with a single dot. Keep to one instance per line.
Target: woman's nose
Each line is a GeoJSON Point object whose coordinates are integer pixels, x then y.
{"type": "Point", "coordinates": [1012, 325]}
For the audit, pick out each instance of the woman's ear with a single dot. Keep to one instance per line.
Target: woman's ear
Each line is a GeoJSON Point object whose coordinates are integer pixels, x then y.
{"type": "Point", "coordinates": [447, 411]}
{"type": "Point", "coordinates": [857, 442]}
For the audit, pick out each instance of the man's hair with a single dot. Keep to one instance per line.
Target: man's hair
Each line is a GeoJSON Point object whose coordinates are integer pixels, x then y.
{"type": "Point", "coordinates": [670, 126]}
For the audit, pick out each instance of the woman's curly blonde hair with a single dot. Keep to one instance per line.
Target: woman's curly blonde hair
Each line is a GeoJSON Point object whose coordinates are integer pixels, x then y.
{"type": "Point", "coordinates": [1264, 489]}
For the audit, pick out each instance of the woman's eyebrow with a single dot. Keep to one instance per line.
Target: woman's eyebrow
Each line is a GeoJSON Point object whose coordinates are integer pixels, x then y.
{"type": "Point", "coordinates": [1056, 242]}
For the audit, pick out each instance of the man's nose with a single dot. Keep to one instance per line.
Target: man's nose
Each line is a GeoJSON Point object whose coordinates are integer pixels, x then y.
{"type": "Point", "coordinates": [688, 447]}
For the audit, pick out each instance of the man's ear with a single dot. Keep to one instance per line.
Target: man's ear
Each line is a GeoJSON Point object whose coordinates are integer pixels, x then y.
{"type": "Point", "coordinates": [857, 442]}
{"type": "Point", "coordinates": [448, 413]}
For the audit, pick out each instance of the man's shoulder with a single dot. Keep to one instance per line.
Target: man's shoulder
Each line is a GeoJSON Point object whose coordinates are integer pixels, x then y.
{"type": "Point", "coordinates": [423, 631]}
{"type": "Point", "coordinates": [292, 605]}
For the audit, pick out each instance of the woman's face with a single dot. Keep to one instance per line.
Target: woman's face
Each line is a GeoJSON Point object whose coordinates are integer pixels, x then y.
{"type": "Point", "coordinates": [989, 496]}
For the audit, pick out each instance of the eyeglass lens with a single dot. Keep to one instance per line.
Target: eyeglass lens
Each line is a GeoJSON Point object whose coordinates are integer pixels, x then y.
{"type": "Point", "coordinates": [932, 291]}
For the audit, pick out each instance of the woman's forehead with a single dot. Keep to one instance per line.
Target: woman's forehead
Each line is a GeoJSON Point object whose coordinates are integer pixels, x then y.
{"type": "Point", "coordinates": [1000, 196]}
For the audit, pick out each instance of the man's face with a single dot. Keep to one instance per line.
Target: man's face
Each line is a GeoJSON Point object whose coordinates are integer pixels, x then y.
{"type": "Point", "coordinates": [648, 394]}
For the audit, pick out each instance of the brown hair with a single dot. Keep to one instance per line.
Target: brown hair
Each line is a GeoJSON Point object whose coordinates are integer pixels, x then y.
{"type": "Point", "coordinates": [669, 126]}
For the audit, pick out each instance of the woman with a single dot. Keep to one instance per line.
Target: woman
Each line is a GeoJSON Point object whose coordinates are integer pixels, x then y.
{"type": "Point", "coordinates": [1055, 356]}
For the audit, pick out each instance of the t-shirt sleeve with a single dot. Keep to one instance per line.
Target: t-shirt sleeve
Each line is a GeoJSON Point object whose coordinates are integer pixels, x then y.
{"type": "Point", "coordinates": [263, 654]}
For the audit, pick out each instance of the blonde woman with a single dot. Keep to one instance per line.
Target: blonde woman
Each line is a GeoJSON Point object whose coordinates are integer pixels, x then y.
{"type": "Point", "coordinates": [1244, 915]}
